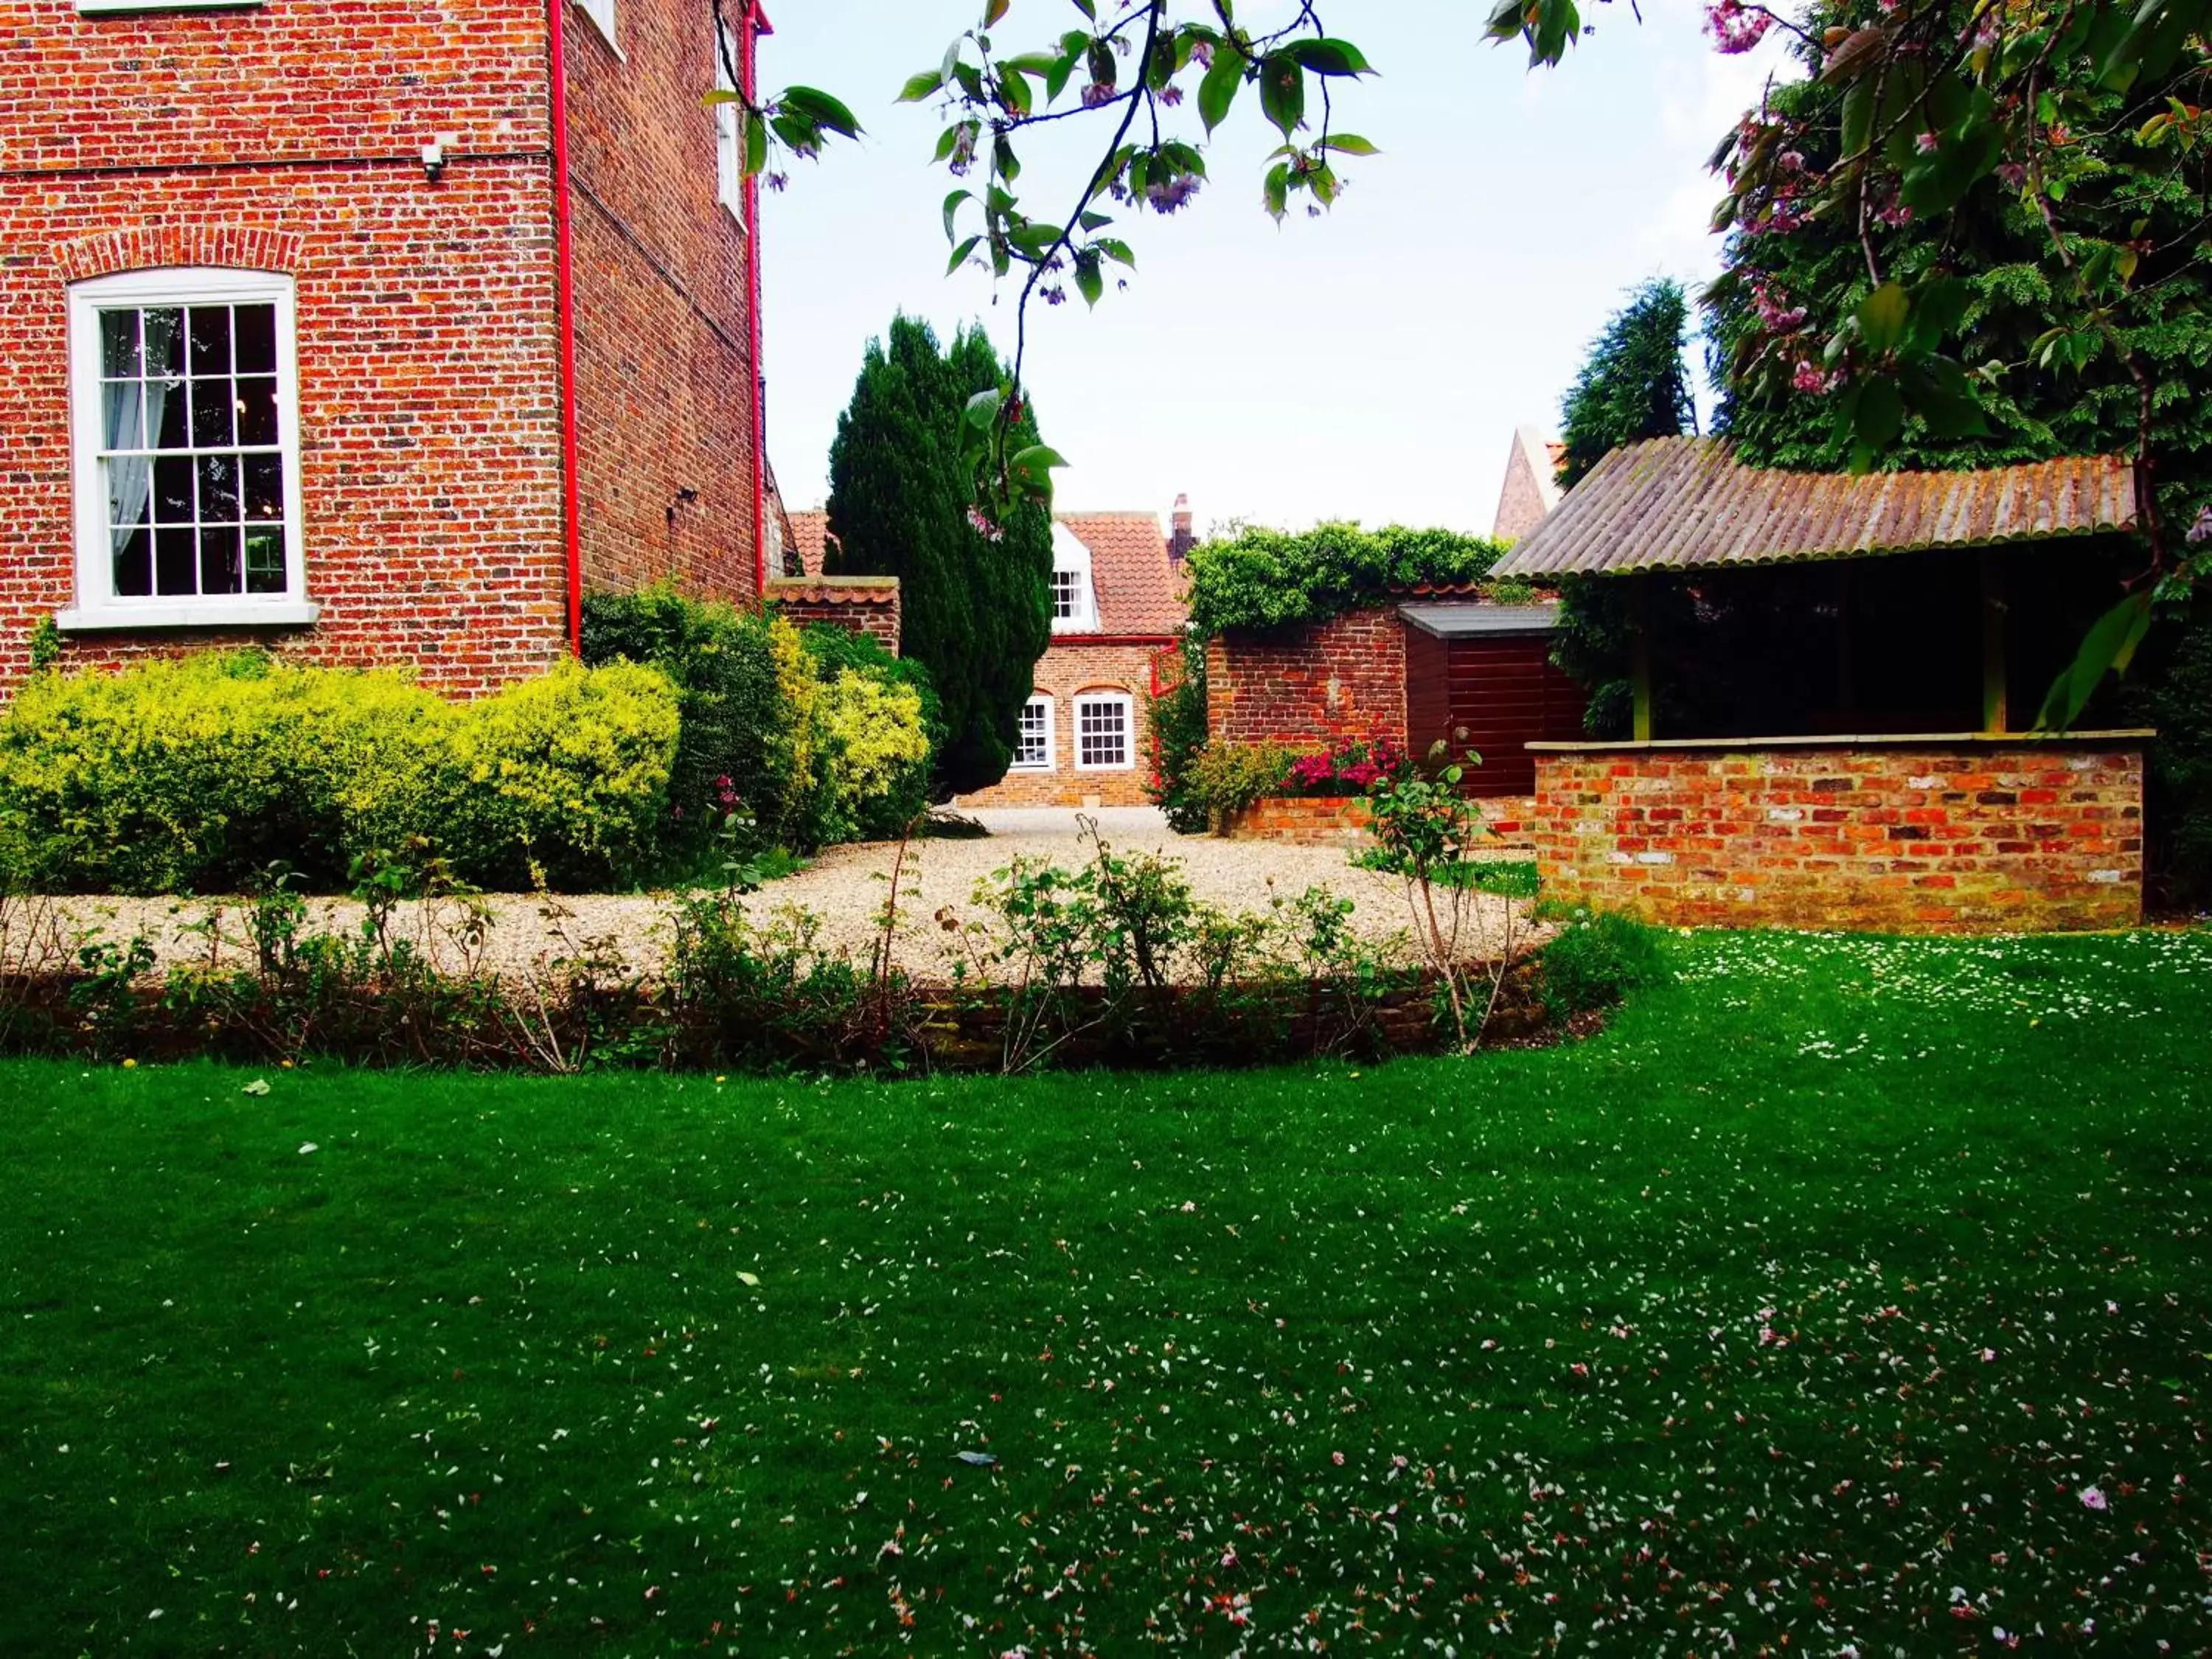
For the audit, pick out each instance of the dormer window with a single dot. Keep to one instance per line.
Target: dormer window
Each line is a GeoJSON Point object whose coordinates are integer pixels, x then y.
{"type": "Point", "coordinates": [1074, 600]}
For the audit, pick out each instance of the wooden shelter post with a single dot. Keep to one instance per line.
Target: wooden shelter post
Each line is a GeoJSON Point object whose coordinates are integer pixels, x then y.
{"type": "Point", "coordinates": [1639, 603]}
{"type": "Point", "coordinates": [1995, 714]}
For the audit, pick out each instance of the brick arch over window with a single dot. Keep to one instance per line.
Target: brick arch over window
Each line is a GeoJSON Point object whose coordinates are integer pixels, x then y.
{"type": "Point", "coordinates": [155, 247]}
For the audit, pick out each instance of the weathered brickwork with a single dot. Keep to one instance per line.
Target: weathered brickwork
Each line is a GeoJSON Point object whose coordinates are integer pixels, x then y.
{"type": "Point", "coordinates": [427, 399]}
{"type": "Point", "coordinates": [1331, 820]}
{"type": "Point", "coordinates": [1071, 667]}
{"type": "Point", "coordinates": [664, 349]}
{"type": "Point", "coordinates": [1312, 684]}
{"type": "Point", "coordinates": [863, 604]}
{"type": "Point", "coordinates": [1959, 836]}
{"type": "Point", "coordinates": [430, 401]}
{"type": "Point", "coordinates": [1303, 821]}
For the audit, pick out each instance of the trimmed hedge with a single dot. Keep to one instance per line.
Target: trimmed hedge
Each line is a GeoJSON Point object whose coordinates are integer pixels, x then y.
{"type": "Point", "coordinates": [197, 774]}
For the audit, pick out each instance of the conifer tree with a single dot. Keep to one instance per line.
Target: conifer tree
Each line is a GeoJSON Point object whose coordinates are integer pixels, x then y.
{"type": "Point", "coordinates": [1634, 383]}
{"type": "Point", "coordinates": [975, 595]}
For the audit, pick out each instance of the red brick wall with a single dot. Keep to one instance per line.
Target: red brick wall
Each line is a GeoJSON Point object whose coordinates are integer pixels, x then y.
{"type": "Point", "coordinates": [1067, 668]}
{"type": "Point", "coordinates": [1310, 683]}
{"type": "Point", "coordinates": [863, 604]}
{"type": "Point", "coordinates": [664, 352]}
{"type": "Point", "coordinates": [1960, 837]}
{"type": "Point", "coordinates": [428, 396]}
{"type": "Point", "coordinates": [1328, 820]}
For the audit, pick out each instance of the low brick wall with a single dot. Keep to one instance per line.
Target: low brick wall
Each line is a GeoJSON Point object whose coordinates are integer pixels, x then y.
{"type": "Point", "coordinates": [861, 605]}
{"type": "Point", "coordinates": [1935, 835]}
{"type": "Point", "coordinates": [1302, 821]}
{"type": "Point", "coordinates": [1332, 820]}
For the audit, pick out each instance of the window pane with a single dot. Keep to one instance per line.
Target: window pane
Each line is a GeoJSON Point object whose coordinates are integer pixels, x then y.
{"type": "Point", "coordinates": [133, 564]}
{"type": "Point", "coordinates": [256, 339]}
{"type": "Point", "coordinates": [164, 415]}
{"type": "Point", "coordinates": [210, 340]}
{"type": "Point", "coordinates": [120, 408]}
{"type": "Point", "coordinates": [256, 411]}
{"type": "Point", "coordinates": [264, 561]}
{"type": "Point", "coordinates": [211, 414]}
{"type": "Point", "coordinates": [264, 487]}
{"type": "Point", "coordinates": [218, 489]}
{"type": "Point", "coordinates": [176, 561]}
{"type": "Point", "coordinates": [118, 343]}
{"type": "Point", "coordinates": [219, 566]}
{"type": "Point", "coordinates": [172, 489]}
{"type": "Point", "coordinates": [165, 340]}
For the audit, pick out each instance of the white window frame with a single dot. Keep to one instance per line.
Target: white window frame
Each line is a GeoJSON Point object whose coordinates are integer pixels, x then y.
{"type": "Point", "coordinates": [1051, 761]}
{"type": "Point", "coordinates": [729, 131]}
{"type": "Point", "coordinates": [98, 605]}
{"type": "Point", "coordinates": [602, 14]}
{"type": "Point", "coordinates": [1071, 557]}
{"type": "Point", "coordinates": [1127, 705]}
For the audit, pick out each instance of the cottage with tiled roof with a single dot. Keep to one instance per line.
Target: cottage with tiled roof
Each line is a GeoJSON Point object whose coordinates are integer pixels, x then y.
{"type": "Point", "coordinates": [1117, 600]}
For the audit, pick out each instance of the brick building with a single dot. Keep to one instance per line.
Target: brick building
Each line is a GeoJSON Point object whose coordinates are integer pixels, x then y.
{"type": "Point", "coordinates": [371, 333]}
{"type": "Point", "coordinates": [1117, 606]}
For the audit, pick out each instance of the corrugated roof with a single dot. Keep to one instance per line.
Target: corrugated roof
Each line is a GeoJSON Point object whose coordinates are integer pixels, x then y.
{"type": "Point", "coordinates": [1138, 587]}
{"type": "Point", "coordinates": [1460, 622]}
{"type": "Point", "coordinates": [1685, 503]}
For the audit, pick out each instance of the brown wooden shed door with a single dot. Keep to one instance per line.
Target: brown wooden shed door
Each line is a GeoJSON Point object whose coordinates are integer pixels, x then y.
{"type": "Point", "coordinates": [1493, 694]}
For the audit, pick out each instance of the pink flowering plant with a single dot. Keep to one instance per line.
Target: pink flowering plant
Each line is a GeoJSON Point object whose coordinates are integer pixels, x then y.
{"type": "Point", "coordinates": [1353, 767]}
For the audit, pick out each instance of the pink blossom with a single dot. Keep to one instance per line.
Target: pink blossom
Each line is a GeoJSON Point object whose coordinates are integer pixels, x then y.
{"type": "Point", "coordinates": [1735, 26]}
{"type": "Point", "coordinates": [2093, 1498]}
{"type": "Point", "coordinates": [1337, 1458]}
{"type": "Point", "coordinates": [1926, 143]}
{"type": "Point", "coordinates": [1809, 377]}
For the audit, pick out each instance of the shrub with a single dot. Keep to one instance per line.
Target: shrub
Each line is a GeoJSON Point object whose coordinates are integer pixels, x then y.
{"type": "Point", "coordinates": [1229, 777]}
{"type": "Point", "coordinates": [197, 774]}
{"type": "Point", "coordinates": [1353, 767]}
{"type": "Point", "coordinates": [566, 775]}
{"type": "Point", "coordinates": [1177, 716]}
{"type": "Point", "coordinates": [736, 724]}
{"type": "Point", "coordinates": [1597, 959]}
{"type": "Point", "coordinates": [873, 760]}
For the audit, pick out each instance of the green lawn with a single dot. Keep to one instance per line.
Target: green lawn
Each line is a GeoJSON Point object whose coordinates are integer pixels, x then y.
{"type": "Point", "coordinates": [1845, 1291]}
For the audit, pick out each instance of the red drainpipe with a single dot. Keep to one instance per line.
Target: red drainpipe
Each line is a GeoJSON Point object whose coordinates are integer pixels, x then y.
{"type": "Point", "coordinates": [564, 245]}
{"type": "Point", "coordinates": [757, 24]}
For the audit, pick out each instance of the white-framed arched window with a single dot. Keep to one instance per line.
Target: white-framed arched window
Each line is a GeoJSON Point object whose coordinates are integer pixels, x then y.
{"type": "Point", "coordinates": [184, 441]}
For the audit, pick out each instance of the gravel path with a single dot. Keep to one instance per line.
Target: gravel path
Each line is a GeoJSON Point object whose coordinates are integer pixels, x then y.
{"type": "Point", "coordinates": [844, 887]}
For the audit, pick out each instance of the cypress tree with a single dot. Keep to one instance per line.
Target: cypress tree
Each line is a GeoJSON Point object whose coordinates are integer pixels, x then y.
{"type": "Point", "coordinates": [976, 607]}
{"type": "Point", "coordinates": [1633, 384]}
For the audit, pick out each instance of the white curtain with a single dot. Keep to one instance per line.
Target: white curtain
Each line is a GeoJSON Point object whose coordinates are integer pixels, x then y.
{"type": "Point", "coordinates": [131, 477]}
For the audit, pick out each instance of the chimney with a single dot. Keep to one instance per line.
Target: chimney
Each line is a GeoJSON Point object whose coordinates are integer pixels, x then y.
{"type": "Point", "coordinates": [1181, 540]}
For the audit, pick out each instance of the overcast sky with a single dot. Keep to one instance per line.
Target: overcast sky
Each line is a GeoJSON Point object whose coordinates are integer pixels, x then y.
{"type": "Point", "coordinates": [1370, 364]}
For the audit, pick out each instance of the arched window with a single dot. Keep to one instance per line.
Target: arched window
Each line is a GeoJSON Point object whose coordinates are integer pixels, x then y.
{"type": "Point", "coordinates": [185, 439]}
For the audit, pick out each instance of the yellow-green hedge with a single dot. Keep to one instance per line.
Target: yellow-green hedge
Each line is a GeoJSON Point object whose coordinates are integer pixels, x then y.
{"type": "Point", "coordinates": [197, 774]}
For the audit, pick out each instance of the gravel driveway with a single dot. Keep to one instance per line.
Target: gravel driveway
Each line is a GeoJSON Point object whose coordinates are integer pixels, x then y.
{"type": "Point", "coordinates": [844, 887]}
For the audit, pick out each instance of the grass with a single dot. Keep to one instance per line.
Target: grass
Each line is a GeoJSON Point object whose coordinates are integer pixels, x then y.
{"type": "Point", "coordinates": [1848, 1294]}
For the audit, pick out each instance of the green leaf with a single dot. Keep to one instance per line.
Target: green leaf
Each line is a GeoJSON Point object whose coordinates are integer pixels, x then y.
{"type": "Point", "coordinates": [982, 408]}
{"type": "Point", "coordinates": [994, 11]}
{"type": "Point", "coordinates": [1858, 118]}
{"type": "Point", "coordinates": [1218, 91]}
{"type": "Point", "coordinates": [919, 87]}
{"type": "Point", "coordinates": [1882, 316]}
{"type": "Point", "coordinates": [1938, 391]}
{"type": "Point", "coordinates": [820, 109]}
{"type": "Point", "coordinates": [1876, 418]}
{"type": "Point", "coordinates": [1276, 192]}
{"type": "Point", "coordinates": [960, 254]}
{"type": "Point", "coordinates": [1283, 91]}
{"type": "Point", "coordinates": [952, 205]}
{"type": "Point", "coordinates": [2109, 647]}
{"type": "Point", "coordinates": [1063, 68]}
{"type": "Point", "coordinates": [1329, 57]}
{"type": "Point", "coordinates": [1938, 307]}
{"type": "Point", "coordinates": [1349, 143]}
{"type": "Point", "coordinates": [756, 144]}
{"type": "Point", "coordinates": [1116, 250]}
{"type": "Point", "coordinates": [1089, 282]}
